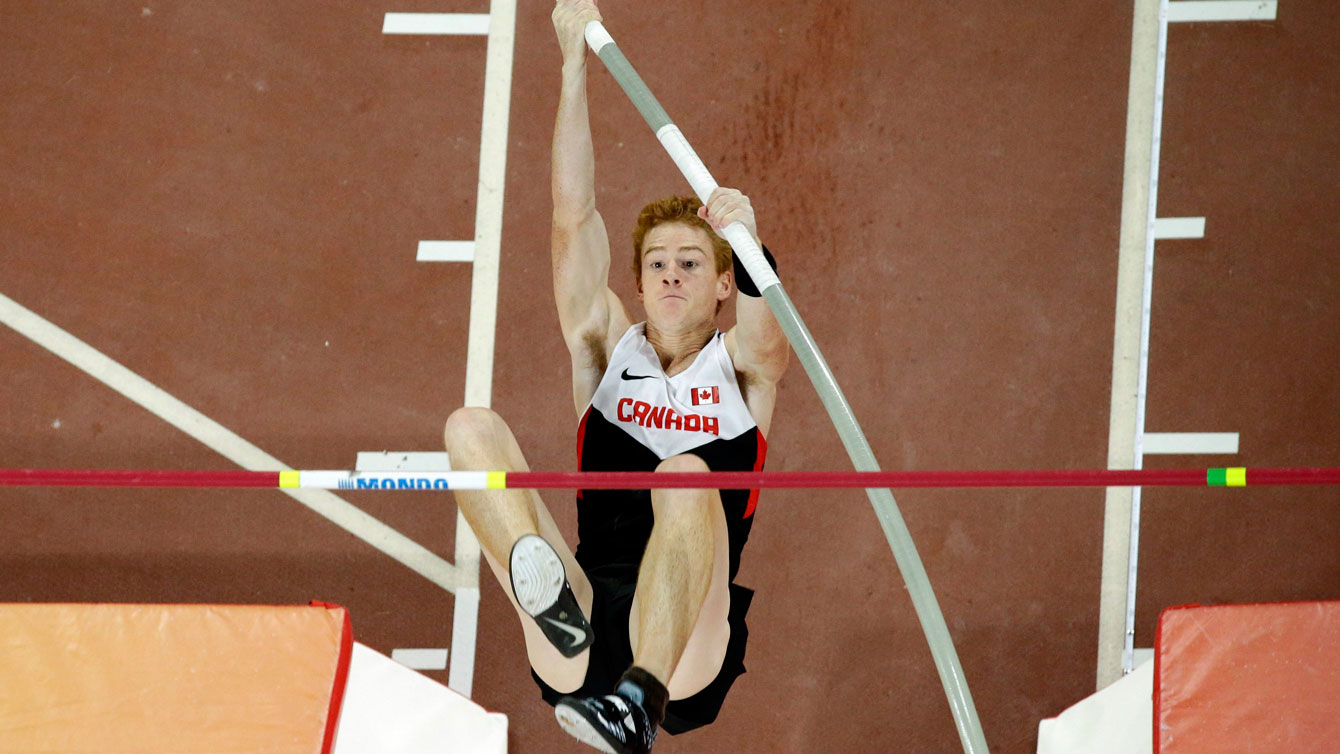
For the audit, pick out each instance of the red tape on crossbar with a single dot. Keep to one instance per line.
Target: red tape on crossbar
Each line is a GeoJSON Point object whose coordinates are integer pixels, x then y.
{"type": "Point", "coordinates": [907, 479]}
{"type": "Point", "coordinates": [714, 480]}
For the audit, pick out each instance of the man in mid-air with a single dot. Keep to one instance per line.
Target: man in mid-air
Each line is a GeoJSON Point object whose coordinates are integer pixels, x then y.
{"type": "Point", "coordinates": [643, 627]}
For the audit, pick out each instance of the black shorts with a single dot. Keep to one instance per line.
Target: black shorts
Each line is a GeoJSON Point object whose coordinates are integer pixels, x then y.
{"type": "Point", "coordinates": [613, 526]}
{"type": "Point", "coordinates": [612, 654]}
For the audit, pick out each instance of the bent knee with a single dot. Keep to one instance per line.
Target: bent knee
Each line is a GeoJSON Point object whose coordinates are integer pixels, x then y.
{"type": "Point", "coordinates": [469, 426]}
{"type": "Point", "coordinates": [694, 502]}
{"type": "Point", "coordinates": [682, 463]}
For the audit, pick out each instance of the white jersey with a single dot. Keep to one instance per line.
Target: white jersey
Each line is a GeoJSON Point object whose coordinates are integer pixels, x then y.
{"type": "Point", "coordinates": [640, 416]}
{"type": "Point", "coordinates": [669, 415]}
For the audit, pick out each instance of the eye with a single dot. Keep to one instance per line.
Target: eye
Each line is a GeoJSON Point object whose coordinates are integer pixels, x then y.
{"type": "Point", "coordinates": [656, 265]}
{"type": "Point", "coordinates": [690, 263]}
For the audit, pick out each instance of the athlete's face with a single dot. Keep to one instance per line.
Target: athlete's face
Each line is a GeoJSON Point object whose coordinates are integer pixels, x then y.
{"type": "Point", "coordinates": [680, 284]}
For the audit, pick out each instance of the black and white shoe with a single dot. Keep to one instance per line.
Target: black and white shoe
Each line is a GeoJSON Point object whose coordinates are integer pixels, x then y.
{"type": "Point", "coordinates": [540, 584]}
{"type": "Point", "coordinates": [613, 724]}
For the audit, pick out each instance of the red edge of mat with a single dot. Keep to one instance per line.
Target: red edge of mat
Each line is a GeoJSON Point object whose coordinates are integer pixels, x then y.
{"type": "Point", "coordinates": [341, 675]}
{"type": "Point", "coordinates": [1158, 666]}
{"type": "Point", "coordinates": [1158, 645]}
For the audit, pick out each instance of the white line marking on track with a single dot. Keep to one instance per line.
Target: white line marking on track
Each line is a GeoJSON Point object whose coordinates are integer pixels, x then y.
{"type": "Point", "coordinates": [446, 251]}
{"type": "Point", "coordinates": [1121, 502]}
{"type": "Point", "coordinates": [483, 307]}
{"type": "Point", "coordinates": [1166, 228]}
{"type": "Point", "coordinates": [436, 23]}
{"type": "Point", "coordinates": [223, 441]}
{"type": "Point", "coordinates": [489, 205]}
{"type": "Point", "coordinates": [1190, 443]}
{"type": "Point", "coordinates": [464, 629]}
{"type": "Point", "coordinates": [1222, 10]}
{"type": "Point", "coordinates": [422, 659]}
{"type": "Point", "coordinates": [1142, 391]}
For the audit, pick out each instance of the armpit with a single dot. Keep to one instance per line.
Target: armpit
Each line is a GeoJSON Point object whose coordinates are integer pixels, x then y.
{"type": "Point", "coordinates": [593, 351]}
{"type": "Point", "coordinates": [743, 380]}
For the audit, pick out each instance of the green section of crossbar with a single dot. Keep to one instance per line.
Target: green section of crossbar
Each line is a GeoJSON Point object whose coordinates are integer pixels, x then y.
{"type": "Point", "coordinates": [1231, 477]}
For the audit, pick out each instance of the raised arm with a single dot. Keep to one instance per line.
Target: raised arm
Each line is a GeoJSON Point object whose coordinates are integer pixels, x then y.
{"type": "Point", "coordinates": [757, 343]}
{"type": "Point", "coordinates": [588, 312]}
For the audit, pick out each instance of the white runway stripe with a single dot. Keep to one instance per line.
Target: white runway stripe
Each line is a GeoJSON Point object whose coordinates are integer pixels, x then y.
{"type": "Point", "coordinates": [1190, 443]}
{"type": "Point", "coordinates": [422, 659]}
{"type": "Point", "coordinates": [221, 440]}
{"type": "Point", "coordinates": [1179, 227]}
{"type": "Point", "coordinates": [1222, 10]}
{"type": "Point", "coordinates": [1125, 421]}
{"type": "Point", "coordinates": [483, 306]}
{"type": "Point", "coordinates": [446, 251]}
{"type": "Point", "coordinates": [436, 23]}
{"type": "Point", "coordinates": [464, 629]}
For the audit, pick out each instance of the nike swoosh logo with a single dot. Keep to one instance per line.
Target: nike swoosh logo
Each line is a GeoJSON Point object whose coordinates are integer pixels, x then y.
{"type": "Point", "coordinates": [578, 635]}
{"type": "Point", "coordinates": [628, 376]}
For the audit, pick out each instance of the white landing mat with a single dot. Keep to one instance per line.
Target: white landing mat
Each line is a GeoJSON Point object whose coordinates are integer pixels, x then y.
{"type": "Point", "coordinates": [1117, 720]}
{"type": "Point", "coordinates": [390, 709]}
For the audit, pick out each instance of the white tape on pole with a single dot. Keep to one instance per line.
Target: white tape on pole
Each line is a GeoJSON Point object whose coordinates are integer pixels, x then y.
{"type": "Point", "coordinates": [687, 161]}
{"type": "Point", "coordinates": [597, 36]}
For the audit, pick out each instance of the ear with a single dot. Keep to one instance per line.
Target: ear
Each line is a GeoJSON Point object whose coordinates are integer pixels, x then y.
{"type": "Point", "coordinates": [725, 285]}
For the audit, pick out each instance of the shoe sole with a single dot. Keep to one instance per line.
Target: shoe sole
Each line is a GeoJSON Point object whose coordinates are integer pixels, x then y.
{"type": "Point", "coordinates": [537, 574]}
{"type": "Point", "coordinates": [579, 728]}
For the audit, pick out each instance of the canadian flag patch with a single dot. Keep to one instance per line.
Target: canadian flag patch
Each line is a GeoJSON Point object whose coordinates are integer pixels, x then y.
{"type": "Point", "coordinates": [705, 395]}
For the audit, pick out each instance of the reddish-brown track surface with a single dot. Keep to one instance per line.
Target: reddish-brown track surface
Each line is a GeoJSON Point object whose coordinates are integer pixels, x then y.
{"type": "Point", "coordinates": [226, 198]}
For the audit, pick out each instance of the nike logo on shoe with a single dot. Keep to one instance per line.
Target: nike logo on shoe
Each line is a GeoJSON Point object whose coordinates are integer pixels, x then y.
{"type": "Point", "coordinates": [578, 635]}
{"type": "Point", "coordinates": [628, 376]}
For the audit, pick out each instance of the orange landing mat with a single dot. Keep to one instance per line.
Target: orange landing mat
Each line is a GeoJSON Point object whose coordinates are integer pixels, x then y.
{"type": "Point", "coordinates": [171, 678]}
{"type": "Point", "coordinates": [1248, 678]}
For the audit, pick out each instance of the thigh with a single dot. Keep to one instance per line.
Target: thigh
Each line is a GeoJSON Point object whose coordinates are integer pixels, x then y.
{"type": "Point", "coordinates": [706, 648]}
{"type": "Point", "coordinates": [487, 443]}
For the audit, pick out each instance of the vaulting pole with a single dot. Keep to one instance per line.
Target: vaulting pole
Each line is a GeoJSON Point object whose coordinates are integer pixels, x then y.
{"type": "Point", "coordinates": [886, 510]}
